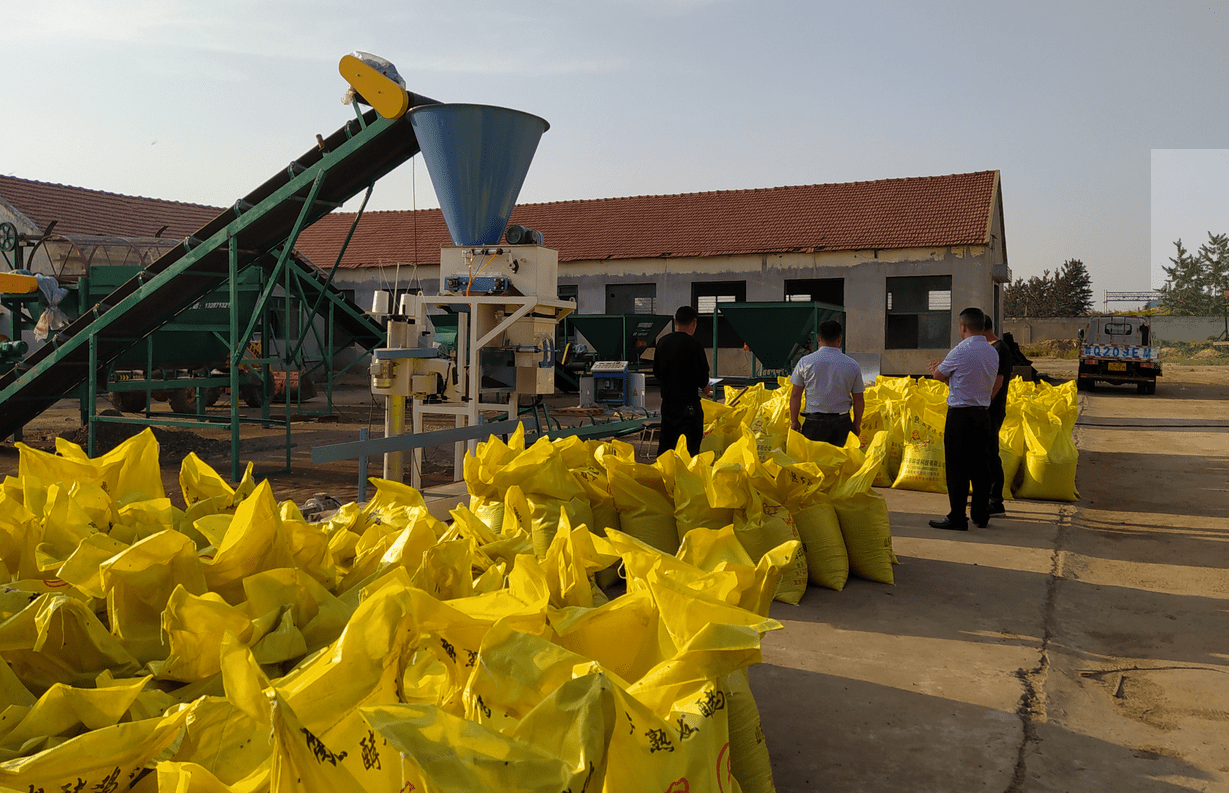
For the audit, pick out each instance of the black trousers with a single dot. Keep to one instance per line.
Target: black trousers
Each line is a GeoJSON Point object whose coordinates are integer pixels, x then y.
{"type": "Point", "coordinates": [966, 460]}
{"type": "Point", "coordinates": [831, 428]}
{"type": "Point", "coordinates": [996, 462]}
{"type": "Point", "coordinates": [677, 422]}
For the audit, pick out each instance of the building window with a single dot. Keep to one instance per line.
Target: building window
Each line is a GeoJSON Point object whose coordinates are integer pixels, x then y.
{"type": "Point", "coordinates": [919, 312]}
{"type": "Point", "coordinates": [705, 295]}
{"type": "Point", "coordinates": [817, 290]}
{"type": "Point", "coordinates": [631, 298]}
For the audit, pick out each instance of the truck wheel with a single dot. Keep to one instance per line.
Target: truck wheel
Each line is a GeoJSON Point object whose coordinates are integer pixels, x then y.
{"type": "Point", "coordinates": [252, 396]}
{"type": "Point", "coordinates": [127, 401]}
{"type": "Point", "coordinates": [183, 400]}
{"type": "Point", "coordinates": [1141, 388]}
{"type": "Point", "coordinates": [212, 395]}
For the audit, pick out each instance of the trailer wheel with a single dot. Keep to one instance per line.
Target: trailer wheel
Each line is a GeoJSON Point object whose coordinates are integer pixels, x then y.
{"type": "Point", "coordinates": [127, 401]}
{"type": "Point", "coordinates": [212, 395]}
{"type": "Point", "coordinates": [183, 400]}
{"type": "Point", "coordinates": [252, 396]}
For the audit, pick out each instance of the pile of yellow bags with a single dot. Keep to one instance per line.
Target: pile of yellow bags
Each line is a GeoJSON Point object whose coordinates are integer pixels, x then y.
{"type": "Point", "coordinates": [1035, 443]}
{"type": "Point", "coordinates": [768, 492]}
{"type": "Point", "coordinates": [233, 646]}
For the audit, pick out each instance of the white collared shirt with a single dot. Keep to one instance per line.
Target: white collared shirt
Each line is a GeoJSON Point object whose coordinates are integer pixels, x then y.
{"type": "Point", "coordinates": [829, 376]}
{"type": "Point", "coordinates": [971, 366]}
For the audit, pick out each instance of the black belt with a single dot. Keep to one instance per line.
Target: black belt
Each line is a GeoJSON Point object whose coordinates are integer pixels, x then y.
{"type": "Point", "coordinates": [968, 407]}
{"type": "Point", "coordinates": [826, 415]}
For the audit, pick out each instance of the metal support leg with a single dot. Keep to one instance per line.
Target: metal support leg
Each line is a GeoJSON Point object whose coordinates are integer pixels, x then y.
{"type": "Point", "coordinates": [236, 355]}
{"type": "Point", "coordinates": [92, 394]}
{"type": "Point", "coordinates": [362, 469]}
{"type": "Point", "coordinates": [394, 424]}
{"type": "Point", "coordinates": [416, 455]}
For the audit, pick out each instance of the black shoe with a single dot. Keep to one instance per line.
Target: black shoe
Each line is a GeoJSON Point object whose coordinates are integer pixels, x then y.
{"type": "Point", "coordinates": [997, 509]}
{"type": "Point", "coordinates": [948, 523]}
{"type": "Point", "coordinates": [981, 524]}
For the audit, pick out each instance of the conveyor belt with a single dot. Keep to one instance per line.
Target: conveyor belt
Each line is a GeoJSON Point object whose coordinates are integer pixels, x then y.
{"type": "Point", "coordinates": [343, 164]}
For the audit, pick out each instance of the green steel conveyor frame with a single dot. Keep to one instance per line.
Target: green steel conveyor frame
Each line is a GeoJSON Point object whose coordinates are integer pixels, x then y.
{"type": "Point", "coordinates": [259, 228]}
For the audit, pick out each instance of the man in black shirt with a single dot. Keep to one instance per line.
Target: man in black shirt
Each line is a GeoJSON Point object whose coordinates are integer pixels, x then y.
{"type": "Point", "coordinates": [681, 369]}
{"type": "Point", "coordinates": [998, 412]}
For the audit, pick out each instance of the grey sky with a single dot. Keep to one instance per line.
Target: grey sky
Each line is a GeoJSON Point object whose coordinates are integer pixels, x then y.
{"type": "Point", "coordinates": [204, 101]}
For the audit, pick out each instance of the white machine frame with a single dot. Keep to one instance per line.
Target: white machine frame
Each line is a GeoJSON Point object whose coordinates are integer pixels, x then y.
{"type": "Point", "coordinates": [520, 324]}
{"type": "Point", "coordinates": [496, 316]}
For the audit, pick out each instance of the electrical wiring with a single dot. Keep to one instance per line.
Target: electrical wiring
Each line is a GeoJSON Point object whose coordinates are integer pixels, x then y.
{"type": "Point", "coordinates": [473, 275]}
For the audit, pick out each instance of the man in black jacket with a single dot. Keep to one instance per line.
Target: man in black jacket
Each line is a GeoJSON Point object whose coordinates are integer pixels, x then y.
{"type": "Point", "coordinates": [998, 412]}
{"type": "Point", "coordinates": [681, 369]}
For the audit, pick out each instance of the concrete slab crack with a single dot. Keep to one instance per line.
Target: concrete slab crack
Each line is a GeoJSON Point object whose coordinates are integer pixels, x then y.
{"type": "Point", "coordinates": [1032, 708]}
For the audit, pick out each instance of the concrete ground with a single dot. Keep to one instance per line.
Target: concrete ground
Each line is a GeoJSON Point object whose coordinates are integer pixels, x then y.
{"type": "Point", "coordinates": [1067, 647]}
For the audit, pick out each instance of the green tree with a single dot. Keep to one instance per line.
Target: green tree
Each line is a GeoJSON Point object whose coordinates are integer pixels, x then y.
{"type": "Point", "coordinates": [1196, 281]}
{"type": "Point", "coordinates": [1073, 289]}
{"type": "Point", "coordinates": [1065, 293]}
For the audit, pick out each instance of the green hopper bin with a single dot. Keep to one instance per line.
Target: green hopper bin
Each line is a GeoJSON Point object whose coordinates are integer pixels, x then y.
{"type": "Point", "coordinates": [778, 334]}
{"type": "Point", "coordinates": [618, 337]}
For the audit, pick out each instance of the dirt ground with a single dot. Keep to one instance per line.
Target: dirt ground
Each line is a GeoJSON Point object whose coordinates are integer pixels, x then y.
{"type": "Point", "coordinates": [312, 425]}
{"type": "Point", "coordinates": [1067, 647]}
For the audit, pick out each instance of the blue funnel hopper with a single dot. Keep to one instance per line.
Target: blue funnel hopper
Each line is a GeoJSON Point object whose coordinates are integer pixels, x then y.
{"type": "Point", "coordinates": [477, 156]}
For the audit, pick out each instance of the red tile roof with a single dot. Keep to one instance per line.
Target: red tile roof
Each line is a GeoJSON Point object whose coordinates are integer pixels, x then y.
{"type": "Point", "coordinates": [93, 212]}
{"type": "Point", "coordinates": [918, 212]}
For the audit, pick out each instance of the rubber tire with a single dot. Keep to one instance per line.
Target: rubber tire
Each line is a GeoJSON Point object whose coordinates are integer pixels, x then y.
{"type": "Point", "coordinates": [127, 401]}
{"type": "Point", "coordinates": [252, 396]}
{"type": "Point", "coordinates": [183, 400]}
{"type": "Point", "coordinates": [307, 388]}
{"type": "Point", "coordinates": [212, 395]}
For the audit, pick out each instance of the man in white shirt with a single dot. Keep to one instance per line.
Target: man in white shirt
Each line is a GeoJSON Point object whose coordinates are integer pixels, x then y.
{"type": "Point", "coordinates": [969, 371]}
{"type": "Point", "coordinates": [832, 384]}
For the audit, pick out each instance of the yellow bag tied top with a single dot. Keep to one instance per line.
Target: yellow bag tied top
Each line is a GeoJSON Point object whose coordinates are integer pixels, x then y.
{"type": "Point", "coordinates": [764, 526]}
{"type": "Point", "coordinates": [1050, 459]}
{"type": "Point", "coordinates": [646, 511]}
{"type": "Point", "coordinates": [922, 462]}
{"type": "Point", "coordinates": [824, 545]}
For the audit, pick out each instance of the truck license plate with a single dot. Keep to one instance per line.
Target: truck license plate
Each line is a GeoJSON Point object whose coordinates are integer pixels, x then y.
{"type": "Point", "coordinates": [1116, 366]}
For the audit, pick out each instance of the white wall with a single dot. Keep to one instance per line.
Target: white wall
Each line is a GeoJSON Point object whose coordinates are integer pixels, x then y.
{"type": "Point", "coordinates": [864, 274]}
{"type": "Point", "coordinates": [1164, 328]}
